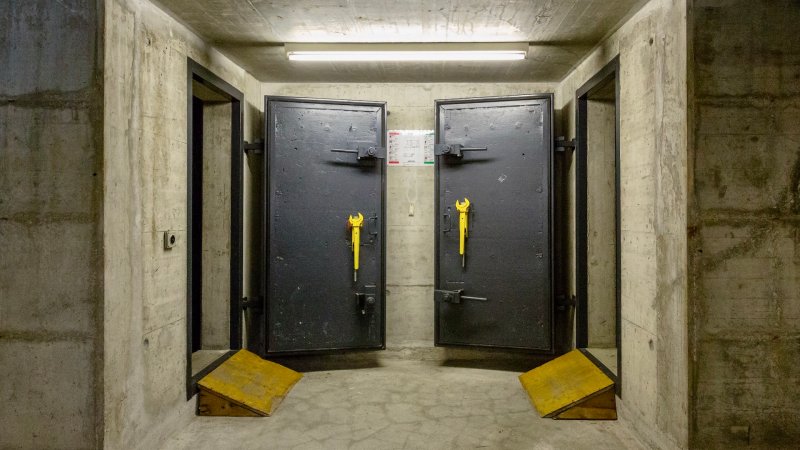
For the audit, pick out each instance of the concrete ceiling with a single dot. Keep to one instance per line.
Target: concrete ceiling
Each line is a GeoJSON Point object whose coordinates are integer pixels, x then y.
{"type": "Point", "coordinates": [252, 32]}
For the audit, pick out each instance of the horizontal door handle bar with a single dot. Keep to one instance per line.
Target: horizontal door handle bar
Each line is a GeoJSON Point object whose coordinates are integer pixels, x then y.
{"type": "Point", "coordinates": [477, 299]}
{"type": "Point", "coordinates": [445, 296]}
{"type": "Point", "coordinates": [455, 150]}
{"type": "Point", "coordinates": [364, 151]}
{"type": "Point", "coordinates": [473, 149]}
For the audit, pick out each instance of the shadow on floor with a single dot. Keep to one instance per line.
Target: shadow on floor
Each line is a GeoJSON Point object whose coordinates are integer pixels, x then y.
{"type": "Point", "coordinates": [333, 361]}
{"type": "Point", "coordinates": [489, 359]}
{"type": "Point", "coordinates": [521, 364]}
{"type": "Point", "coordinates": [492, 359]}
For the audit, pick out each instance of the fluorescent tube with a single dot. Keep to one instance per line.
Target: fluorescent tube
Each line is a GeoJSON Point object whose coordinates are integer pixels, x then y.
{"type": "Point", "coordinates": [406, 52]}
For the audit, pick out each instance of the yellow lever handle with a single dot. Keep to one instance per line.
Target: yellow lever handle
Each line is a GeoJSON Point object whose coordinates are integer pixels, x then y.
{"type": "Point", "coordinates": [463, 227]}
{"type": "Point", "coordinates": [355, 223]}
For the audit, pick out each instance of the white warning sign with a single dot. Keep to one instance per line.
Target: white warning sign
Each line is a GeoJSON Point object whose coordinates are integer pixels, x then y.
{"type": "Point", "coordinates": [410, 148]}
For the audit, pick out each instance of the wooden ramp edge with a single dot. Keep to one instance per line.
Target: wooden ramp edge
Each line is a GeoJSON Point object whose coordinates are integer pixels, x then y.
{"type": "Point", "coordinates": [571, 387]}
{"type": "Point", "coordinates": [245, 386]}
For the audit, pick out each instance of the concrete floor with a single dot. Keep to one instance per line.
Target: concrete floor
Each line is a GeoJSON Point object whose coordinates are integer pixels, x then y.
{"type": "Point", "coordinates": [202, 358]}
{"type": "Point", "coordinates": [404, 404]}
{"type": "Point", "coordinates": [607, 356]}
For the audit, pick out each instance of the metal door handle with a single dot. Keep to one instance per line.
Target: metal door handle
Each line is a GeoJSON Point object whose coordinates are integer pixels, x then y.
{"type": "Point", "coordinates": [373, 225]}
{"type": "Point", "coordinates": [364, 151]}
{"type": "Point", "coordinates": [477, 299]}
{"type": "Point", "coordinates": [446, 220]}
{"type": "Point", "coordinates": [473, 149]}
{"type": "Point", "coordinates": [456, 296]}
{"type": "Point", "coordinates": [455, 150]}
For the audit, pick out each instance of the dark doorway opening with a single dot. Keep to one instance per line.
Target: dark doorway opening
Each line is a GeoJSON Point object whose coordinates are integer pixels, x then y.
{"type": "Point", "coordinates": [598, 235]}
{"type": "Point", "coordinates": [214, 222]}
{"type": "Point", "coordinates": [197, 222]}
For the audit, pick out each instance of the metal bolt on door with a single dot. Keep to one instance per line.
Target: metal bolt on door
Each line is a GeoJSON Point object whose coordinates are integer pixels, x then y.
{"type": "Point", "coordinates": [324, 169]}
{"type": "Point", "coordinates": [493, 231]}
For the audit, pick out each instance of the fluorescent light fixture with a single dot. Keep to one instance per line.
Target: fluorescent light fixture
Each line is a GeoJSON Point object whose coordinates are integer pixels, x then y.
{"type": "Point", "coordinates": [408, 52]}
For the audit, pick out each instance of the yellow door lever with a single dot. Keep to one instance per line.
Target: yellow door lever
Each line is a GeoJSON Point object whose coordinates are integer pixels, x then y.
{"type": "Point", "coordinates": [463, 228]}
{"type": "Point", "coordinates": [355, 224]}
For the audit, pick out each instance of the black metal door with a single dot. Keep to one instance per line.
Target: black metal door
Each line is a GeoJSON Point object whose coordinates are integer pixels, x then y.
{"type": "Point", "coordinates": [495, 153]}
{"type": "Point", "coordinates": [324, 164]}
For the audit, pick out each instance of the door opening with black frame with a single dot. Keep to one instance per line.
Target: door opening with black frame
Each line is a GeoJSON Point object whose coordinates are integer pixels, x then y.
{"type": "Point", "coordinates": [494, 203]}
{"type": "Point", "coordinates": [598, 234]}
{"type": "Point", "coordinates": [324, 225]}
{"type": "Point", "coordinates": [214, 222]}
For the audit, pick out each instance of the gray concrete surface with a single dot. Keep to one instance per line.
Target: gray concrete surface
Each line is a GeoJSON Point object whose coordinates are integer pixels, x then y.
{"type": "Point", "coordinates": [652, 47]}
{"type": "Point", "coordinates": [216, 229]}
{"type": "Point", "coordinates": [602, 227]}
{"type": "Point", "coordinates": [404, 404]}
{"type": "Point", "coordinates": [744, 236]}
{"type": "Point", "coordinates": [51, 213]}
{"type": "Point", "coordinates": [606, 356]}
{"type": "Point", "coordinates": [252, 33]}
{"type": "Point", "coordinates": [202, 358]}
{"type": "Point", "coordinates": [145, 194]}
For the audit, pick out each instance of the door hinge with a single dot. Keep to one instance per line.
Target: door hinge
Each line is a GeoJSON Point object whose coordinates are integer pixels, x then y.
{"type": "Point", "coordinates": [564, 301]}
{"type": "Point", "coordinates": [254, 303]}
{"type": "Point", "coordinates": [562, 144]}
{"type": "Point", "coordinates": [256, 147]}
{"type": "Point", "coordinates": [454, 150]}
{"type": "Point", "coordinates": [444, 296]}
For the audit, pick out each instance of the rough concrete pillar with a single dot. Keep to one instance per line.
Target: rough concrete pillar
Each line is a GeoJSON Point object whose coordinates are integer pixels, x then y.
{"type": "Point", "coordinates": [744, 243]}
{"type": "Point", "coordinates": [51, 253]}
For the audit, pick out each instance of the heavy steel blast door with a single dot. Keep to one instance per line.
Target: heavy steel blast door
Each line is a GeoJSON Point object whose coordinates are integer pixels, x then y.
{"type": "Point", "coordinates": [493, 232]}
{"type": "Point", "coordinates": [325, 173]}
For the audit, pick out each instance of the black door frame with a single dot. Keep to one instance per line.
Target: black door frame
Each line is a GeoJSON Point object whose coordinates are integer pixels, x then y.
{"type": "Point", "coordinates": [551, 208]}
{"type": "Point", "coordinates": [265, 222]}
{"type": "Point", "coordinates": [200, 74]}
{"type": "Point", "coordinates": [581, 207]}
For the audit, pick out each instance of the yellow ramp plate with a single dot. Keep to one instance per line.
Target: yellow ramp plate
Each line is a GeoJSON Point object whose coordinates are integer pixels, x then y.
{"type": "Point", "coordinates": [570, 381]}
{"type": "Point", "coordinates": [245, 383]}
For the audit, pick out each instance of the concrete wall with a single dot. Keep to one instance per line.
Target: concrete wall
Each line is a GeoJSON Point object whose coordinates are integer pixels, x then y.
{"type": "Point", "coordinates": [410, 248]}
{"type": "Point", "coordinates": [216, 232]}
{"type": "Point", "coordinates": [600, 212]}
{"type": "Point", "coordinates": [145, 193]}
{"type": "Point", "coordinates": [51, 213]}
{"type": "Point", "coordinates": [744, 240]}
{"type": "Point", "coordinates": [652, 47]}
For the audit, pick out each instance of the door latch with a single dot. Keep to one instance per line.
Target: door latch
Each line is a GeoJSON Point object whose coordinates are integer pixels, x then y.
{"type": "Point", "coordinates": [454, 150]}
{"type": "Point", "coordinates": [256, 147]}
{"type": "Point", "coordinates": [364, 151]}
{"type": "Point", "coordinates": [372, 223]}
{"type": "Point", "coordinates": [252, 303]}
{"type": "Point", "coordinates": [444, 296]}
{"type": "Point", "coordinates": [366, 300]}
{"type": "Point", "coordinates": [563, 144]}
